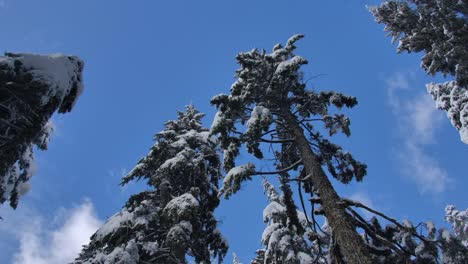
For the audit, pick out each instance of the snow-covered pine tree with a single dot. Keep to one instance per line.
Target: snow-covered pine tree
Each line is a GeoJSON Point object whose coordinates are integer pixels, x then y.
{"type": "Point", "coordinates": [439, 28]}
{"type": "Point", "coordinates": [32, 88]}
{"type": "Point", "coordinates": [269, 103]}
{"type": "Point", "coordinates": [283, 241]}
{"type": "Point", "coordinates": [175, 218]}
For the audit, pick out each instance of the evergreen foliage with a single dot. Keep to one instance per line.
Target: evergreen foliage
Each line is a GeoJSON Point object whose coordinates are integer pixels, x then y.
{"type": "Point", "coordinates": [403, 242]}
{"type": "Point", "coordinates": [396, 242]}
{"type": "Point", "coordinates": [175, 218]}
{"type": "Point", "coordinates": [285, 241]}
{"type": "Point", "coordinates": [32, 88]}
{"type": "Point", "coordinates": [270, 104]}
{"type": "Point", "coordinates": [439, 28]}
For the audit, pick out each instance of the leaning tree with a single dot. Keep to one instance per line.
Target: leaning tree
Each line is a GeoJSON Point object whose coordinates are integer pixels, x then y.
{"type": "Point", "coordinates": [32, 88]}
{"type": "Point", "coordinates": [270, 104]}
{"type": "Point", "coordinates": [175, 218]}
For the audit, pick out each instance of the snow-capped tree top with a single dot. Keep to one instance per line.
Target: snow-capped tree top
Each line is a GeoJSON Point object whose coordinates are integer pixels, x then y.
{"type": "Point", "coordinates": [61, 73]}
{"type": "Point", "coordinates": [186, 121]}
{"type": "Point", "coordinates": [175, 218]}
{"type": "Point", "coordinates": [32, 88]}
{"type": "Point", "coordinates": [184, 143]}
{"type": "Point", "coordinates": [269, 87]}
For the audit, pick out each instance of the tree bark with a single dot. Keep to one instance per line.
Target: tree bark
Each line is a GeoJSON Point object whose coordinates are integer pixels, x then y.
{"type": "Point", "coordinates": [350, 243]}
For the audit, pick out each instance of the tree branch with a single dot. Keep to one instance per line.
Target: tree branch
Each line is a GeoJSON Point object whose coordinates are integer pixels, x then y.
{"type": "Point", "coordinates": [276, 141]}
{"type": "Point", "coordinates": [297, 163]}
{"type": "Point", "coordinates": [349, 202]}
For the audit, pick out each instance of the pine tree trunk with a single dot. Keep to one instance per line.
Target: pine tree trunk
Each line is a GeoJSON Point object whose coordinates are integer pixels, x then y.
{"type": "Point", "coordinates": [350, 243]}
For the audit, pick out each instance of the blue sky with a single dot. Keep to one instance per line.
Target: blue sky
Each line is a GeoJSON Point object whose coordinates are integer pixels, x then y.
{"type": "Point", "coordinates": [146, 59]}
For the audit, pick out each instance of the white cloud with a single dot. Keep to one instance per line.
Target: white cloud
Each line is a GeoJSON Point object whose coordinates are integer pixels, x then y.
{"type": "Point", "coordinates": [423, 118]}
{"type": "Point", "coordinates": [424, 169]}
{"type": "Point", "coordinates": [40, 244]}
{"type": "Point", "coordinates": [418, 121]}
{"type": "Point", "coordinates": [398, 81]}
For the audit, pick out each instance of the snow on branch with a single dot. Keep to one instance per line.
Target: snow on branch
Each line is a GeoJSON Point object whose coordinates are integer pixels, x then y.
{"type": "Point", "coordinates": [233, 179]}
{"type": "Point", "coordinates": [32, 88]}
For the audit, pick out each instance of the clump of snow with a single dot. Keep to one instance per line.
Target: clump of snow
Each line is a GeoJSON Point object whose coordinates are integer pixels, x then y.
{"type": "Point", "coordinates": [242, 169]}
{"type": "Point", "coordinates": [273, 209]}
{"type": "Point", "coordinates": [234, 177]}
{"type": "Point", "coordinates": [407, 223]}
{"type": "Point", "coordinates": [44, 137]}
{"type": "Point", "coordinates": [7, 62]}
{"type": "Point", "coordinates": [217, 121]}
{"type": "Point", "coordinates": [174, 162]}
{"type": "Point", "coordinates": [293, 39]}
{"type": "Point", "coordinates": [18, 181]}
{"type": "Point", "coordinates": [181, 206]}
{"type": "Point", "coordinates": [446, 235]}
{"type": "Point", "coordinates": [114, 222]}
{"type": "Point", "coordinates": [260, 116]}
{"type": "Point", "coordinates": [453, 99]}
{"type": "Point", "coordinates": [127, 254]}
{"type": "Point", "coordinates": [179, 234]}
{"type": "Point", "coordinates": [304, 258]}
{"type": "Point", "coordinates": [431, 229]}
{"type": "Point", "coordinates": [11, 176]}
{"type": "Point", "coordinates": [128, 217]}
{"type": "Point", "coordinates": [139, 168]}
{"type": "Point", "coordinates": [207, 137]}
{"type": "Point", "coordinates": [291, 64]}
{"type": "Point", "coordinates": [62, 73]}
{"type": "Point", "coordinates": [28, 159]}
{"type": "Point", "coordinates": [268, 231]}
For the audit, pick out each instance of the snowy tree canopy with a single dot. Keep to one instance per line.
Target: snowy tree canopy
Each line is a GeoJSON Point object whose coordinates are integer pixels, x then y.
{"type": "Point", "coordinates": [175, 218]}
{"type": "Point", "coordinates": [270, 108]}
{"type": "Point", "coordinates": [439, 28]}
{"type": "Point", "coordinates": [32, 88]}
{"type": "Point", "coordinates": [269, 84]}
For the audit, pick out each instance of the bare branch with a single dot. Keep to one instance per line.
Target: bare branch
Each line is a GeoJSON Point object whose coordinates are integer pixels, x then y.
{"type": "Point", "coordinates": [297, 163]}
{"type": "Point", "coordinates": [349, 202]}
{"type": "Point", "coordinates": [363, 224]}
{"type": "Point", "coordinates": [276, 141]}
